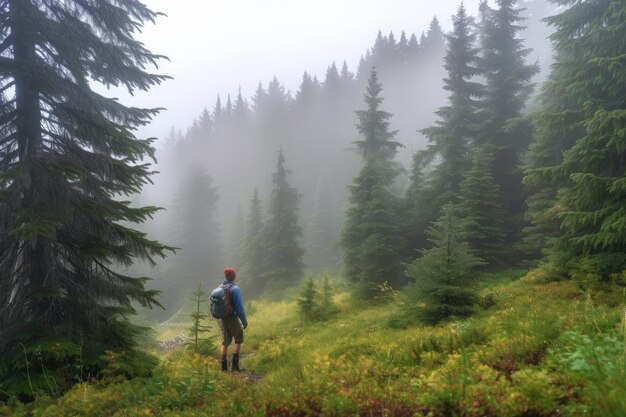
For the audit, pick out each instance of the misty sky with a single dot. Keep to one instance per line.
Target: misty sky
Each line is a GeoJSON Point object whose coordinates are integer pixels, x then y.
{"type": "Point", "coordinates": [216, 46]}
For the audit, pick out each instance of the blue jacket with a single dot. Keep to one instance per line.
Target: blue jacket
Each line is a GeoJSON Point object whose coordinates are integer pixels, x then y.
{"type": "Point", "coordinates": [237, 300]}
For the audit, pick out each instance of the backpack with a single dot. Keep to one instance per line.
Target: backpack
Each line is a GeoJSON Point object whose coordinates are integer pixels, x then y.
{"type": "Point", "coordinates": [221, 304]}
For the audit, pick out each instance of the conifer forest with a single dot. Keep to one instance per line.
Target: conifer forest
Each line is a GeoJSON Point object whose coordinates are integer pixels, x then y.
{"type": "Point", "coordinates": [432, 225]}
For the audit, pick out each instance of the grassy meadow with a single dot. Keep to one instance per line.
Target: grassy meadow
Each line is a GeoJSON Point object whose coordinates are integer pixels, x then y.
{"type": "Point", "coordinates": [533, 348]}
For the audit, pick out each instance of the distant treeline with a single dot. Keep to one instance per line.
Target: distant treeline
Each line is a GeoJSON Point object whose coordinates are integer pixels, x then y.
{"type": "Point", "coordinates": [234, 147]}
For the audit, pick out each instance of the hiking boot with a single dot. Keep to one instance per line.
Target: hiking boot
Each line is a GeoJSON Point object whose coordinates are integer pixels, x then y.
{"type": "Point", "coordinates": [235, 367]}
{"type": "Point", "coordinates": [224, 363]}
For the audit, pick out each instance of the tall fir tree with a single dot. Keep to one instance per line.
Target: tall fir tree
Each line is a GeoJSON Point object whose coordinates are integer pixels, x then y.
{"type": "Point", "coordinates": [272, 109]}
{"type": "Point", "coordinates": [444, 274]}
{"type": "Point", "coordinates": [308, 93]}
{"type": "Point", "coordinates": [434, 40]}
{"type": "Point", "coordinates": [67, 155]}
{"type": "Point", "coordinates": [254, 249]}
{"type": "Point", "coordinates": [240, 108]}
{"type": "Point", "coordinates": [370, 234]}
{"type": "Point", "coordinates": [451, 137]}
{"type": "Point", "coordinates": [507, 87]}
{"type": "Point", "coordinates": [416, 208]}
{"type": "Point", "coordinates": [218, 112]}
{"type": "Point", "coordinates": [579, 159]}
{"type": "Point", "coordinates": [308, 297]}
{"type": "Point", "coordinates": [283, 253]}
{"type": "Point", "coordinates": [258, 100]}
{"type": "Point", "coordinates": [480, 206]}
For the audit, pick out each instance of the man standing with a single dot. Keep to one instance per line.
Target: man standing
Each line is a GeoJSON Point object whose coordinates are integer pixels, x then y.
{"type": "Point", "coordinates": [232, 325]}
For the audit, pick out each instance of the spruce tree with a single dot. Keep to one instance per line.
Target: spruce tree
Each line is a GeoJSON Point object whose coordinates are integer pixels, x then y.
{"type": "Point", "coordinates": [68, 158]}
{"type": "Point", "coordinates": [258, 101]}
{"type": "Point", "coordinates": [417, 207]}
{"type": "Point", "coordinates": [480, 206]}
{"type": "Point", "coordinates": [451, 137]}
{"type": "Point", "coordinates": [370, 233]}
{"type": "Point", "coordinates": [444, 274]}
{"type": "Point", "coordinates": [308, 93]}
{"type": "Point", "coordinates": [272, 108]}
{"type": "Point", "coordinates": [240, 109]}
{"type": "Point", "coordinates": [507, 87]}
{"type": "Point", "coordinates": [218, 111]}
{"type": "Point", "coordinates": [283, 253]}
{"type": "Point", "coordinates": [433, 43]}
{"type": "Point", "coordinates": [307, 302]}
{"type": "Point", "coordinates": [200, 331]}
{"type": "Point", "coordinates": [581, 184]}
{"type": "Point", "coordinates": [326, 293]}
{"type": "Point", "coordinates": [332, 80]}
{"type": "Point", "coordinates": [254, 253]}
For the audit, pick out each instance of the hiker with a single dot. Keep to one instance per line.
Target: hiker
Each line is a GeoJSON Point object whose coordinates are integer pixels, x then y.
{"type": "Point", "coordinates": [233, 324]}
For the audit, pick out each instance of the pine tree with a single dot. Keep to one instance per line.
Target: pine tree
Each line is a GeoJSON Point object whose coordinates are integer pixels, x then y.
{"type": "Point", "coordinates": [228, 110]}
{"type": "Point", "coordinates": [433, 43]}
{"type": "Point", "coordinates": [205, 123]}
{"type": "Point", "coordinates": [254, 252]}
{"type": "Point", "coordinates": [332, 89]}
{"type": "Point", "coordinates": [200, 331]}
{"type": "Point", "coordinates": [451, 137]}
{"type": "Point", "coordinates": [218, 111]}
{"type": "Point", "coordinates": [581, 146]}
{"type": "Point", "coordinates": [283, 254]}
{"type": "Point", "coordinates": [507, 87]}
{"type": "Point", "coordinates": [272, 108]}
{"type": "Point", "coordinates": [444, 274]}
{"type": "Point", "coordinates": [362, 73]}
{"type": "Point", "coordinates": [240, 109]}
{"type": "Point", "coordinates": [480, 206]}
{"type": "Point", "coordinates": [326, 307]}
{"type": "Point", "coordinates": [308, 94]}
{"type": "Point", "coordinates": [369, 237]}
{"type": "Point", "coordinates": [346, 79]}
{"type": "Point", "coordinates": [417, 207]}
{"type": "Point", "coordinates": [308, 298]}
{"type": "Point", "coordinates": [259, 98]}
{"type": "Point", "coordinates": [403, 48]}
{"type": "Point", "coordinates": [67, 153]}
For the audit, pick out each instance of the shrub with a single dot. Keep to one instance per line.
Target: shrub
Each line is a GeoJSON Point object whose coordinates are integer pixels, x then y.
{"type": "Point", "coordinates": [600, 361]}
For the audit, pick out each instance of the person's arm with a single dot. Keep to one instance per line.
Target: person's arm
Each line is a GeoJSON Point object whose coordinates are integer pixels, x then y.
{"type": "Point", "coordinates": [235, 296]}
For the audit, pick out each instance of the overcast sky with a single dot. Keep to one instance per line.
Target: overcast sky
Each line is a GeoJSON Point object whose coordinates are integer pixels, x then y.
{"type": "Point", "coordinates": [215, 46]}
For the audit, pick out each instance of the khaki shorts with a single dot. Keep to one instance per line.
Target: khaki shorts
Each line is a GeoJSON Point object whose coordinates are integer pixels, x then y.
{"type": "Point", "coordinates": [231, 329]}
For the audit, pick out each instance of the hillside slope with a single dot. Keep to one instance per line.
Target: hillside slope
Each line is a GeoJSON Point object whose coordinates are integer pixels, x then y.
{"type": "Point", "coordinates": [532, 349]}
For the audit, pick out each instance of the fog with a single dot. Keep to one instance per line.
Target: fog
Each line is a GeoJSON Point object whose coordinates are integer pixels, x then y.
{"type": "Point", "coordinates": [212, 156]}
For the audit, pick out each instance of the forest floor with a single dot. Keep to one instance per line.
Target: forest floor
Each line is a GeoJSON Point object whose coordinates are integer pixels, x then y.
{"type": "Point", "coordinates": [533, 349]}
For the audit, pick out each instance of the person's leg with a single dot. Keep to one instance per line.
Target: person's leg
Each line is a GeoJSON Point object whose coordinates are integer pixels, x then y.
{"type": "Point", "coordinates": [227, 338]}
{"type": "Point", "coordinates": [224, 353]}
{"type": "Point", "coordinates": [238, 336]}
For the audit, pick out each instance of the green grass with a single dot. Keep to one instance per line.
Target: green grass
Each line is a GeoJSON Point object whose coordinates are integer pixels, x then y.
{"type": "Point", "coordinates": [537, 349]}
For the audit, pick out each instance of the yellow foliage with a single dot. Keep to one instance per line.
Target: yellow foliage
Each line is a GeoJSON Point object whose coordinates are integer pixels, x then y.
{"type": "Point", "coordinates": [491, 364]}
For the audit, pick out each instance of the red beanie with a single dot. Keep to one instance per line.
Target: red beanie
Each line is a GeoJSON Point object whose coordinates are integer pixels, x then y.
{"type": "Point", "coordinates": [230, 273]}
